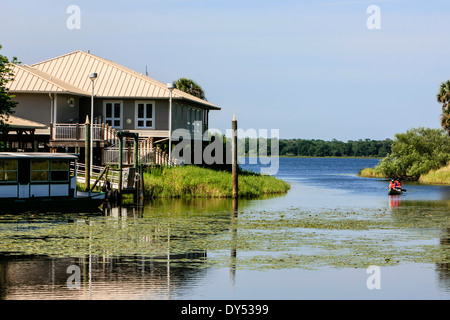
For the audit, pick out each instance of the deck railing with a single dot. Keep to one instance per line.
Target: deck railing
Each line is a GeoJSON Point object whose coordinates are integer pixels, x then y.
{"type": "Point", "coordinates": [149, 154]}
{"type": "Point", "coordinates": [76, 132]}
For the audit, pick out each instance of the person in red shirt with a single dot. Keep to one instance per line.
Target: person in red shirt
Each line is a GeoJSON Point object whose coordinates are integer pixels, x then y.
{"type": "Point", "coordinates": [392, 185]}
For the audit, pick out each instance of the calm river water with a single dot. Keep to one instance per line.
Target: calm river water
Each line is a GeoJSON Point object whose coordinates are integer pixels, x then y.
{"type": "Point", "coordinates": [315, 242]}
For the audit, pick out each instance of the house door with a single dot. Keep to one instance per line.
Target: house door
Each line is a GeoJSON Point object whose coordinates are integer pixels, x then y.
{"type": "Point", "coordinates": [113, 114]}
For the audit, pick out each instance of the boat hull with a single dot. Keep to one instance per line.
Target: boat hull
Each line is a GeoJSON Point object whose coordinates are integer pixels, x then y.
{"type": "Point", "coordinates": [394, 192]}
{"type": "Point", "coordinates": [60, 204]}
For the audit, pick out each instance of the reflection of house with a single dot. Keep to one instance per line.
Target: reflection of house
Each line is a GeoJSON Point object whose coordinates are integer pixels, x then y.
{"type": "Point", "coordinates": [101, 277]}
{"type": "Point", "coordinates": [57, 93]}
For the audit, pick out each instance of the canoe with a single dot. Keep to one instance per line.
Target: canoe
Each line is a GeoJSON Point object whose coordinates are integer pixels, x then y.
{"type": "Point", "coordinates": [392, 191]}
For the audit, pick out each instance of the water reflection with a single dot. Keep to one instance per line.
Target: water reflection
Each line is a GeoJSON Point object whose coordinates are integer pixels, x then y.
{"type": "Point", "coordinates": [168, 249]}
{"type": "Point", "coordinates": [395, 201]}
{"type": "Point", "coordinates": [41, 277]}
{"type": "Point", "coordinates": [144, 276]}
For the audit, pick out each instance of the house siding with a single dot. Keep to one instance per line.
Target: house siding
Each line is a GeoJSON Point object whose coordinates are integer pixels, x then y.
{"type": "Point", "coordinates": [34, 107]}
{"type": "Point", "coordinates": [65, 112]}
{"type": "Point", "coordinates": [162, 115]}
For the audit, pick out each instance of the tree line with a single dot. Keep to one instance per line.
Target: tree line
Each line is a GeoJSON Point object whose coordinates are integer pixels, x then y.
{"type": "Point", "coordinates": [321, 148]}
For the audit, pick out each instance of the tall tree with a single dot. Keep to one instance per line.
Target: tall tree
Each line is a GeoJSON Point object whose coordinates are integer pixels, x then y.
{"type": "Point", "coordinates": [191, 87]}
{"type": "Point", "coordinates": [7, 105]}
{"type": "Point", "coordinates": [443, 97]}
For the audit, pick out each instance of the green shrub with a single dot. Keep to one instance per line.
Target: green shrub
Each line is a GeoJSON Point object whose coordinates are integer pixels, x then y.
{"type": "Point", "coordinates": [416, 152]}
{"type": "Point", "coordinates": [370, 173]}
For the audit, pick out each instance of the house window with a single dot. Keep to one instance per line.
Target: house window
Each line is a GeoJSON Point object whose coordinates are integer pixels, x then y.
{"type": "Point", "coordinates": [145, 114]}
{"type": "Point", "coordinates": [8, 171]}
{"type": "Point", "coordinates": [205, 120]}
{"type": "Point", "coordinates": [60, 170]}
{"type": "Point", "coordinates": [113, 113]}
{"type": "Point", "coordinates": [39, 170]}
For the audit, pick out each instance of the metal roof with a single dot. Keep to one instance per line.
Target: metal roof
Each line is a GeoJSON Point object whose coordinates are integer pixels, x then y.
{"type": "Point", "coordinates": [20, 123]}
{"type": "Point", "coordinates": [72, 70]}
{"type": "Point", "coordinates": [28, 79]}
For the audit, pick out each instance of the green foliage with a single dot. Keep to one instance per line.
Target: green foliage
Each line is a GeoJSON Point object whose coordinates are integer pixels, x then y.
{"type": "Point", "coordinates": [443, 97]}
{"type": "Point", "coordinates": [7, 105]}
{"type": "Point", "coordinates": [335, 148]}
{"type": "Point", "coordinates": [416, 152]}
{"type": "Point", "coordinates": [191, 87]}
{"type": "Point", "coordinates": [370, 173]}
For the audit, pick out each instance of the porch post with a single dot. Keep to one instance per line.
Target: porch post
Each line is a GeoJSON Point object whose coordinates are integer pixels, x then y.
{"type": "Point", "coordinates": [55, 108]}
{"type": "Point", "coordinates": [136, 150]}
{"type": "Point", "coordinates": [119, 135]}
{"type": "Point", "coordinates": [87, 155]}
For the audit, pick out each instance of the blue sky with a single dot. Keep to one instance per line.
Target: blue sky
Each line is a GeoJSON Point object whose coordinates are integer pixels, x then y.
{"type": "Point", "coordinates": [310, 68]}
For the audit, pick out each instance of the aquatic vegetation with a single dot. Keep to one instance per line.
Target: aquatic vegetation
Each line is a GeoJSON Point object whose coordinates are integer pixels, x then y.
{"type": "Point", "coordinates": [253, 240]}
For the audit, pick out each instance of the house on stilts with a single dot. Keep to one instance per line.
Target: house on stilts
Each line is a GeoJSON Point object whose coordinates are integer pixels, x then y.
{"type": "Point", "coordinates": [57, 94]}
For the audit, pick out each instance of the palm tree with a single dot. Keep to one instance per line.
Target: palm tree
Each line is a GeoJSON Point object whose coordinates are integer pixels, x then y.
{"type": "Point", "coordinates": [444, 97]}
{"type": "Point", "coordinates": [191, 87]}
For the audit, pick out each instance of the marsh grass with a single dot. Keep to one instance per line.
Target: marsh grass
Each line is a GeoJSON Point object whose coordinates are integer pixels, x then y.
{"type": "Point", "coordinates": [439, 176]}
{"type": "Point", "coordinates": [370, 173]}
{"type": "Point", "coordinates": [198, 182]}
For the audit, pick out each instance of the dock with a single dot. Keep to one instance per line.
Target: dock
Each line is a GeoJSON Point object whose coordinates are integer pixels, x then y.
{"type": "Point", "coordinates": [109, 180]}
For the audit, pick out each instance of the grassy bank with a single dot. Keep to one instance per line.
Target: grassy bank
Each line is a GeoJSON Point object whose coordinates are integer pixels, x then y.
{"type": "Point", "coordinates": [439, 176]}
{"type": "Point", "coordinates": [370, 173]}
{"type": "Point", "coordinates": [192, 181]}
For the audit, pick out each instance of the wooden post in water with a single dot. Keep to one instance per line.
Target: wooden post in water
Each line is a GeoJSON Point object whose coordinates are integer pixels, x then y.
{"type": "Point", "coordinates": [234, 163]}
{"type": "Point", "coordinates": [87, 157]}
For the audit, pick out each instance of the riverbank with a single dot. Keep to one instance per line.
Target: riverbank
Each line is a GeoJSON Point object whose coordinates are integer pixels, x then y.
{"type": "Point", "coordinates": [440, 176]}
{"type": "Point", "coordinates": [198, 182]}
{"type": "Point", "coordinates": [370, 173]}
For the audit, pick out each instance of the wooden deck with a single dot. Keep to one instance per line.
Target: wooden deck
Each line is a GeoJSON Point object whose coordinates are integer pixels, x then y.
{"type": "Point", "coordinates": [72, 135]}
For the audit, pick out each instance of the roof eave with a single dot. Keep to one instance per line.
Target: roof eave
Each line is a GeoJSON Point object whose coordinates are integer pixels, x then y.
{"type": "Point", "coordinates": [205, 103]}
{"type": "Point", "coordinates": [50, 91]}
